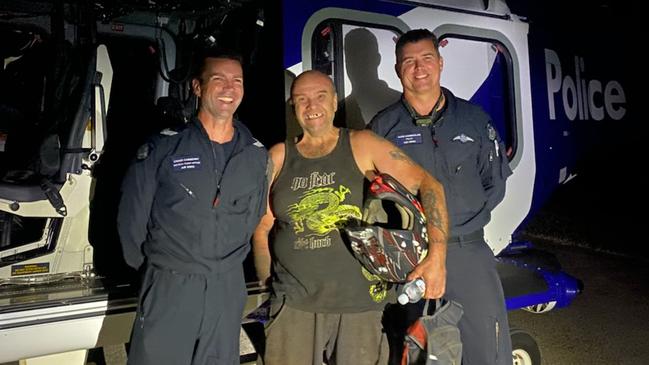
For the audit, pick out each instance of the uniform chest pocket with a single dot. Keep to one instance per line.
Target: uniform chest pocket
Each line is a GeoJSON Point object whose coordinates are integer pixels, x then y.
{"type": "Point", "coordinates": [180, 195]}
{"type": "Point", "coordinates": [238, 202]}
{"type": "Point", "coordinates": [461, 159]}
{"type": "Point", "coordinates": [464, 184]}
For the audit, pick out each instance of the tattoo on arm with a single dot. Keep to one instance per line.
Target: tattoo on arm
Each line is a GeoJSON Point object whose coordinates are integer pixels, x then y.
{"type": "Point", "coordinates": [400, 156]}
{"type": "Point", "coordinates": [431, 207]}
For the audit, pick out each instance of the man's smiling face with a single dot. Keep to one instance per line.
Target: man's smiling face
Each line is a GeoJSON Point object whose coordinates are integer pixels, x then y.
{"type": "Point", "coordinates": [314, 100]}
{"type": "Point", "coordinates": [419, 67]}
{"type": "Point", "coordinates": [220, 87]}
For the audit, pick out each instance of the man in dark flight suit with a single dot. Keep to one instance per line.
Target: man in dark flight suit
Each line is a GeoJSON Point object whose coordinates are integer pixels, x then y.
{"type": "Point", "coordinates": [190, 202]}
{"type": "Point", "coordinates": [457, 144]}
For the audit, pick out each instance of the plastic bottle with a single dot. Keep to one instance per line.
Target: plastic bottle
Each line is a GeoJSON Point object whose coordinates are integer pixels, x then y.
{"type": "Point", "coordinates": [412, 291]}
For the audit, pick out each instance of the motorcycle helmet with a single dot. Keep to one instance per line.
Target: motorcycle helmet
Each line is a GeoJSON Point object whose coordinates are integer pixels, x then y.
{"type": "Point", "coordinates": [392, 238]}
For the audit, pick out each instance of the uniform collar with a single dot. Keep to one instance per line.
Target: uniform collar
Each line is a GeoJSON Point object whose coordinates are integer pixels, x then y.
{"type": "Point", "coordinates": [447, 108]}
{"type": "Point", "coordinates": [451, 101]}
{"type": "Point", "coordinates": [244, 137]}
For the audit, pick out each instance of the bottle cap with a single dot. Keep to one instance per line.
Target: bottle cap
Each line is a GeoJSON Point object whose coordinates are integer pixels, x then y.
{"type": "Point", "coordinates": [403, 299]}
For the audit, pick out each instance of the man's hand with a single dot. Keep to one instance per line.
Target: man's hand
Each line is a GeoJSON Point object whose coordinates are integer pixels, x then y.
{"type": "Point", "coordinates": [433, 270]}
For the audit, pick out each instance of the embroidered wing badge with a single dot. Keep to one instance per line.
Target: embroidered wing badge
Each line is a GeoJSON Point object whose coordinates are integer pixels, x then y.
{"type": "Point", "coordinates": [463, 138]}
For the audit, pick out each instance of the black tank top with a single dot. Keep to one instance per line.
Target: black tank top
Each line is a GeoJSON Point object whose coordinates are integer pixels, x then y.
{"type": "Point", "coordinates": [312, 200]}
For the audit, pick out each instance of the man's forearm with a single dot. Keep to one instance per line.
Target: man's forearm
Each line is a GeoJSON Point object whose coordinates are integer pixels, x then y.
{"type": "Point", "coordinates": [433, 268]}
{"type": "Point", "coordinates": [434, 204]}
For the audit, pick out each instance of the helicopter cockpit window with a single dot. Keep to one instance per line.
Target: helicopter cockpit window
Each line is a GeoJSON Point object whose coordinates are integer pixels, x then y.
{"type": "Point", "coordinates": [359, 58]}
{"type": "Point", "coordinates": [38, 80]}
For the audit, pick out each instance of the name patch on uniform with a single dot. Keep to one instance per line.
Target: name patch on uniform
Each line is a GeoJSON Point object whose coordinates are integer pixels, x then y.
{"type": "Point", "coordinates": [185, 163]}
{"type": "Point", "coordinates": [412, 138]}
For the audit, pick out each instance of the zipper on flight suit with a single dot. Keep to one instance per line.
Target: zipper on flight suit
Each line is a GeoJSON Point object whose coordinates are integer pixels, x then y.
{"type": "Point", "coordinates": [435, 142]}
{"type": "Point", "coordinates": [215, 201]}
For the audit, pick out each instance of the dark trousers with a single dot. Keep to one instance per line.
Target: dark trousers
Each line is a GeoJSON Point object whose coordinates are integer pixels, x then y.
{"type": "Point", "coordinates": [188, 319]}
{"type": "Point", "coordinates": [295, 337]}
{"type": "Point", "coordinates": [472, 280]}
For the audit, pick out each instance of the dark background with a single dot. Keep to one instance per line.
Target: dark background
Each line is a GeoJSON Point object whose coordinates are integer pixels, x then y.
{"type": "Point", "coordinates": [603, 207]}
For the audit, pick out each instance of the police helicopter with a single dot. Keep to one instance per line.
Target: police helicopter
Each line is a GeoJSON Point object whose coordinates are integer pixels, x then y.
{"type": "Point", "coordinates": [84, 83]}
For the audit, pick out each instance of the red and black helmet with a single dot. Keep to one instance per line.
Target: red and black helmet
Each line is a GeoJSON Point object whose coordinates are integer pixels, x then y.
{"type": "Point", "coordinates": [392, 238]}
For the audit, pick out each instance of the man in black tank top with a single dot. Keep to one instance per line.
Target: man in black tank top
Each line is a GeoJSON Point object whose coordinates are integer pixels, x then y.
{"type": "Point", "coordinates": [324, 304]}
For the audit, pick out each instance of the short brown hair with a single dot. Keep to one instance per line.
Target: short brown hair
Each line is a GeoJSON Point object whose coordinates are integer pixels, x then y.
{"type": "Point", "coordinates": [413, 36]}
{"type": "Point", "coordinates": [214, 53]}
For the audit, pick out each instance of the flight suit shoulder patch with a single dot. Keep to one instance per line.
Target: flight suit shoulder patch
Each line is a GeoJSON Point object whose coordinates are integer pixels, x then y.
{"type": "Point", "coordinates": [168, 132]}
{"type": "Point", "coordinates": [256, 143]}
{"type": "Point", "coordinates": [143, 152]}
{"type": "Point", "coordinates": [491, 132]}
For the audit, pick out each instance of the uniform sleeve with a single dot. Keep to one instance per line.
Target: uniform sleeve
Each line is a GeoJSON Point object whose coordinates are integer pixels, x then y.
{"type": "Point", "coordinates": [374, 125]}
{"type": "Point", "coordinates": [138, 190]}
{"type": "Point", "coordinates": [494, 166]}
{"type": "Point", "coordinates": [264, 191]}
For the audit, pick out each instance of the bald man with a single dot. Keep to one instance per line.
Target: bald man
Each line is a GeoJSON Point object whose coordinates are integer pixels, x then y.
{"type": "Point", "coordinates": [324, 306]}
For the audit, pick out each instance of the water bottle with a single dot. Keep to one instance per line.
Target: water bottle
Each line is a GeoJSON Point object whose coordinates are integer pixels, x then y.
{"type": "Point", "coordinates": [412, 291]}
